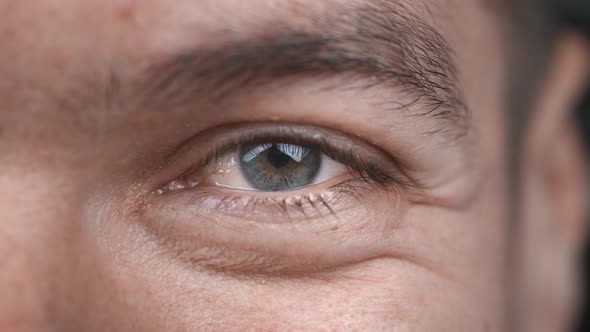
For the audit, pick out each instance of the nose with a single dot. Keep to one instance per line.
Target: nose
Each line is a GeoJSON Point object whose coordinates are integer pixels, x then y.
{"type": "Point", "coordinates": [38, 259]}
{"type": "Point", "coordinates": [23, 281]}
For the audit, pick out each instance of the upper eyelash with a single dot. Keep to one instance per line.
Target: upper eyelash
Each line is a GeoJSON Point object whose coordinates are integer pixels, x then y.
{"type": "Point", "coordinates": [366, 169]}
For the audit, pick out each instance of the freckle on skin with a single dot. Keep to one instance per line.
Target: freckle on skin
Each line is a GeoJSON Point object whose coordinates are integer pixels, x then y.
{"type": "Point", "coordinates": [126, 13]}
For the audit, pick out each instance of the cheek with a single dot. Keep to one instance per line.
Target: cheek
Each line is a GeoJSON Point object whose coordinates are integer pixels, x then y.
{"type": "Point", "coordinates": [135, 285]}
{"type": "Point", "coordinates": [381, 295]}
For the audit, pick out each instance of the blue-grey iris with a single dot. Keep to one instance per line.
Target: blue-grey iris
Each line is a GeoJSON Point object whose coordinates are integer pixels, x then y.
{"type": "Point", "coordinates": [279, 167]}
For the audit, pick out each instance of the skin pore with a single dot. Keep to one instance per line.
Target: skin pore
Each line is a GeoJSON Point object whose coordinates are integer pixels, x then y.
{"type": "Point", "coordinates": [124, 204]}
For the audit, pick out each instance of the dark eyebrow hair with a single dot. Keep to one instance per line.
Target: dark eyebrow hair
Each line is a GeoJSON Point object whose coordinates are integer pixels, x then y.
{"type": "Point", "coordinates": [381, 39]}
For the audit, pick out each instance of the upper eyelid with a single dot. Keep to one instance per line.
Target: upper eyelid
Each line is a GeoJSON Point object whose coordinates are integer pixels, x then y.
{"type": "Point", "coordinates": [188, 144]}
{"type": "Point", "coordinates": [262, 132]}
{"type": "Point", "coordinates": [372, 166]}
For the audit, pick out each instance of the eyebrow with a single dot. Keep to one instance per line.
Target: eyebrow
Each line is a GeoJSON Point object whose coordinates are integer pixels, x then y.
{"type": "Point", "coordinates": [382, 40]}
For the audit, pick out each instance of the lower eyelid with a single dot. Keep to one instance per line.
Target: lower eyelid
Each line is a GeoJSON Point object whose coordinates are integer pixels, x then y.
{"type": "Point", "coordinates": [289, 207]}
{"type": "Point", "coordinates": [267, 240]}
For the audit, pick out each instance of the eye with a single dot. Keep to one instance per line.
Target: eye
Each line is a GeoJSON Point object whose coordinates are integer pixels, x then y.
{"type": "Point", "coordinates": [258, 189]}
{"type": "Point", "coordinates": [252, 170]}
{"type": "Point", "coordinates": [273, 167]}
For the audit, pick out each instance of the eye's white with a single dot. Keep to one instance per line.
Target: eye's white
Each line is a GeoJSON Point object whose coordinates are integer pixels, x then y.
{"type": "Point", "coordinates": [227, 172]}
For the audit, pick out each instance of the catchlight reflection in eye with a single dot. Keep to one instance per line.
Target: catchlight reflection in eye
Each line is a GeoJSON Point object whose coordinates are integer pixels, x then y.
{"type": "Point", "coordinates": [272, 167]}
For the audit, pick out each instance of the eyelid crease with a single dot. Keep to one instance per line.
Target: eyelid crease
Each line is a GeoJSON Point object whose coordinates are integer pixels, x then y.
{"type": "Point", "coordinates": [380, 169]}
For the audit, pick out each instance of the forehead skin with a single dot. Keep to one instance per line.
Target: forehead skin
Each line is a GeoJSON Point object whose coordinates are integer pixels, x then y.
{"type": "Point", "coordinates": [61, 158]}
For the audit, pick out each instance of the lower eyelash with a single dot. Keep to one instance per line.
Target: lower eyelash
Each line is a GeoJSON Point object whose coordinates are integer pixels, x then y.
{"type": "Point", "coordinates": [290, 207]}
{"type": "Point", "coordinates": [332, 202]}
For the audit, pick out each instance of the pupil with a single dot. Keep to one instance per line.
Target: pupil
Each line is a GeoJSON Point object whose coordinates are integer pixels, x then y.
{"type": "Point", "coordinates": [276, 158]}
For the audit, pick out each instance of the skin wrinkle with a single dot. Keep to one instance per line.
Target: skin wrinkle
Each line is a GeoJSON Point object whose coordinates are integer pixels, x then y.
{"type": "Point", "coordinates": [254, 268]}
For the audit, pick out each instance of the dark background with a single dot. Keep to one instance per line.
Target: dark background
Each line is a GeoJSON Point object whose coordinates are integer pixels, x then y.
{"type": "Point", "coordinates": [584, 116]}
{"type": "Point", "coordinates": [576, 13]}
{"type": "Point", "coordinates": [584, 119]}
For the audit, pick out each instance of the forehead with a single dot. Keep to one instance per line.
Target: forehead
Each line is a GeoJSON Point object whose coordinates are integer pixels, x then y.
{"type": "Point", "coordinates": [155, 25]}
{"type": "Point", "coordinates": [50, 44]}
